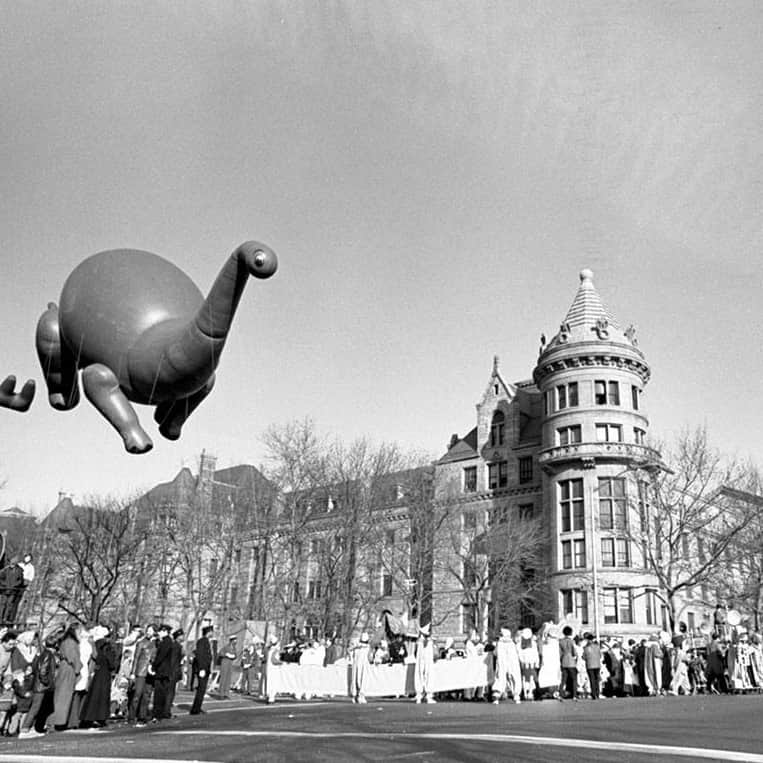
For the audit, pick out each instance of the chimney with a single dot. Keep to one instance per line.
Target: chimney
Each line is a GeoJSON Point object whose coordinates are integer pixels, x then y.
{"type": "Point", "coordinates": [454, 438]}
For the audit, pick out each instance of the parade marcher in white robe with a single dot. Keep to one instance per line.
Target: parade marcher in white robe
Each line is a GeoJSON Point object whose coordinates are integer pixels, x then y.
{"type": "Point", "coordinates": [270, 685]}
{"type": "Point", "coordinates": [550, 673]}
{"type": "Point", "coordinates": [473, 650]}
{"type": "Point", "coordinates": [361, 665]}
{"type": "Point", "coordinates": [653, 666]}
{"type": "Point", "coordinates": [508, 674]}
{"type": "Point", "coordinates": [529, 662]}
{"type": "Point", "coordinates": [424, 665]}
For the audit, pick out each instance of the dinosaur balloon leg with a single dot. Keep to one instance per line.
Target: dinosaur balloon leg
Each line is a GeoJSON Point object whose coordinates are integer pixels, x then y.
{"type": "Point", "coordinates": [140, 331]}
{"type": "Point", "coordinates": [16, 401]}
{"type": "Point", "coordinates": [59, 366]}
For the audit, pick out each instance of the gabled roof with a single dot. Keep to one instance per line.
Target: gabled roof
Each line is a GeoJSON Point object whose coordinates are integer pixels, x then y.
{"type": "Point", "coordinates": [14, 512]}
{"type": "Point", "coordinates": [461, 449]}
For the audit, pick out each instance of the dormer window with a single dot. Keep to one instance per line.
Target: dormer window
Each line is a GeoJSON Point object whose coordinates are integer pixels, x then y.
{"type": "Point", "coordinates": [497, 429]}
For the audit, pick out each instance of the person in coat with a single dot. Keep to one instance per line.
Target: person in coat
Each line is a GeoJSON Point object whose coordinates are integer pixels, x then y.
{"type": "Point", "coordinates": [227, 658]}
{"type": "Point", "coordinates": [97, 705]}
{"type": "Point", "coordinates": [139, 694]}
{"type": "Point", "coordinates": [569, 663]}
{"type": "Point", "coordinates": [44, 672]}
{"type": "Point", "coordinates": [87, 660]}
{"type": "Point", "coordinates": [202, 665]}
{"type": "Point", "coordinates": [269, 672]}
{"type": "Point", "coordinates": [177, 667]}
{"type": "Point", "coordinates": [67, 673]}
{"type": "Point", "coordinates": [162, 670]}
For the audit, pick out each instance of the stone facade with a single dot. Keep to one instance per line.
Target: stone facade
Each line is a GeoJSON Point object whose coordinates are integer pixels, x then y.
{"type": "Point", "coordinates": [569, 445]}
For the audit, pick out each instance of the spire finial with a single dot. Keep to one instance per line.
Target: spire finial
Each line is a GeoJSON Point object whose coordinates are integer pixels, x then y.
{"type": "Point", "coordinates": [586, 274]}
{"type": "Point", "coordinates": [496, 360]}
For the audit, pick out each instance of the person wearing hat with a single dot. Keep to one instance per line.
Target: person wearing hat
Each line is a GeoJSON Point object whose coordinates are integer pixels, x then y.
{"type": "Point", "coordinates": [202, 664]}
{"type": "Point", "coordinates": [141, 687]}
{"type": "Point", "coordinates": [162, 670]}
{"type": "Point", "coordinates": [43, 672]}
{"type": "Point", "coordinates": [67, 673]}
{"type": "Point", "coordinates": [227, 658]}
{"type": "Point", "coordinates": [361, 663]}
{"type": "Point", "coordinates": [424, 665]}
{"type": "Point", "coordinates": [96, 707]}
{"type": "Point", "coordinates": [176, 667]}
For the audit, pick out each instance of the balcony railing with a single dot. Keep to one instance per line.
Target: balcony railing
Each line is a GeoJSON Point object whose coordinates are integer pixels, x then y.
{"type": "Point", "coordinates": [619, 451]}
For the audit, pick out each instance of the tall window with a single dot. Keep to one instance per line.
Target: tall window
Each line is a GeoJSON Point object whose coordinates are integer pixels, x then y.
{"type": "Point", "coordinates": [618, 605]}
{"type": "Point", "coordinates": [497, 429]}
{"type": "Point", "coordinates": [635, 396]}
{"type": "Point", "coordinates": [571, 505]}
{"type": "Point", "coordinates": [566, 395]}
{"type": "Point", "coordinates": [623, 549]}
{"type": "Point", "coordinates": [386, 584]}
{"type": "Point", "coordinates": [609, 433]}
{"type": "Point", "coordinates": [606, 392]}
{"type": "Point", "coordinates": [600, 392]}
{"type": "Point", "coordinates": [470, 520]}
{"type": "Point", "coordinates": [498, 474]}
{"type": "Point", "coordinates": [525, 469]}
{"type": "Point", "coordinates": [575, 604]}
{"type": "Point", "coordinates": [612, 503]}
{"type": "Point", "coordinates": [650, 604]}
{"type": "Point", "coordinates": [639, 436]}
{"type": "Point", "coordinates": [607, 552]}
{"type": "Point", "coordinates": [568, 435]}
{"type": "Point", "coordinates": [470, 479]}
{"type": "Point", "coordinates": [314, 589]}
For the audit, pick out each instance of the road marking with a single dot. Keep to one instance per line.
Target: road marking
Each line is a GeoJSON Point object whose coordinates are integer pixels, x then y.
{"type": "Point", "coordinates": [587, 744]}
{"type": "Point", "coordinates": [16, 758]}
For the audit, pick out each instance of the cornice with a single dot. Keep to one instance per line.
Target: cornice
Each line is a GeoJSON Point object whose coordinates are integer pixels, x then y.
{"type": "Point", "coordinates": [584, 358]}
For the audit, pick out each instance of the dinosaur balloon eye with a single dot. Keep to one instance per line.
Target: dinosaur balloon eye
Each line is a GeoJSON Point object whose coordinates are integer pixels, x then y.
{"type": "Point", "coordinates": [259, 259]}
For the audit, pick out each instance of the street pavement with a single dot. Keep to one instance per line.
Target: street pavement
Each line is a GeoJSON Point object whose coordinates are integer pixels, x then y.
{"type": "Point", "coordinates": [719, 728]}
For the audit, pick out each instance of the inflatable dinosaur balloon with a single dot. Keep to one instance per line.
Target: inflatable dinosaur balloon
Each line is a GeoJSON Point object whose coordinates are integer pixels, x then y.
{"type": "Point", "coordinates": [140, 331]}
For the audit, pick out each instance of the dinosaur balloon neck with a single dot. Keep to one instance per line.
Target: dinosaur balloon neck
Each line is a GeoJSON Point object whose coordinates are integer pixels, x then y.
{"type": "Point", "coordinates": [215, 316]}
{"type": "Point", "coordinates": [200, 345]}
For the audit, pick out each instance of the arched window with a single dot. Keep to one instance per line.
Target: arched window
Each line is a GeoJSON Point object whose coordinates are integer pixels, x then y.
{"type": "Point", "coordinates": [497, 429]}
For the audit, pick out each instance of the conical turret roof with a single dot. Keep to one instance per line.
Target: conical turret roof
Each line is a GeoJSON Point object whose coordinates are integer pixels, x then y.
{"type": "Point", "coordinates": [587, 308]}
{"type": "Point", "coordinates": [588, 319]}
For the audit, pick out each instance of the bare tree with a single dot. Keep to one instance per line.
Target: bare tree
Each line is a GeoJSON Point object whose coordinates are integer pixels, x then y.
{"type": "Point", "coordinates": [94, 551]}
{"type": "Point", "coordinates": [687, 521]}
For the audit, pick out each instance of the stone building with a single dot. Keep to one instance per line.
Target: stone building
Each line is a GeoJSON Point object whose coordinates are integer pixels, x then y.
{"type": "Point", "coordinates": [568, 448]}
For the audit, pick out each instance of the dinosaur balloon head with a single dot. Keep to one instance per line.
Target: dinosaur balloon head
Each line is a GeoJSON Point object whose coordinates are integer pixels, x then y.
{"type": "Point", "coordinates": [260, 259]}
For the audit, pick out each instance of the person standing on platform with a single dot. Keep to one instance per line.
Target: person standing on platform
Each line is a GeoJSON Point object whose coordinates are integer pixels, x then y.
{"type": "Point", "coordinates": [202, 660]}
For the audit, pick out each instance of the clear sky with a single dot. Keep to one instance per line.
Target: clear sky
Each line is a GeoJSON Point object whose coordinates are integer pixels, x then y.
{"type": "Point", "coordinates": [433, 176]}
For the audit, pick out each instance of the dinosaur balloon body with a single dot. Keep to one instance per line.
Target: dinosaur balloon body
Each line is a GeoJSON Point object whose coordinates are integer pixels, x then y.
{"type": "Point", "coordinates": [140, 331]}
